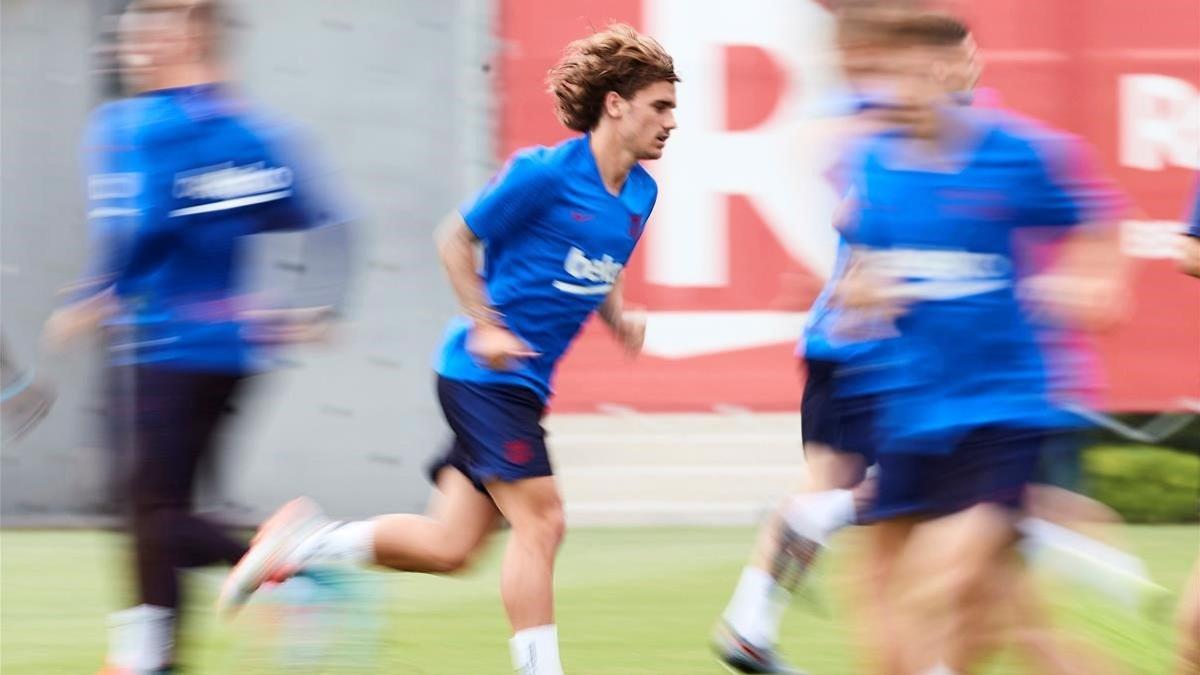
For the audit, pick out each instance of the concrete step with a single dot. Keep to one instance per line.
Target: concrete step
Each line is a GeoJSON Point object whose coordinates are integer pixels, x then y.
{"type": "Point", "coordinates": [625, 468]}
{"type": "Point", "coordinates": [716, 483]}
{"type": "Point", "coordinates": [673, 422]}
{"type": "Point", "coordinates": [672, 440]}
{"type": "Point", "coordinates": [682, 450]}
{"type": "Point", "coordinates": [665, 513]}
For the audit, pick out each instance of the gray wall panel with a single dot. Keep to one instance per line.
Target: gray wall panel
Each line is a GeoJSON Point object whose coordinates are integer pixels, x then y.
{"type": "Point", "coordinates": [397, 99]}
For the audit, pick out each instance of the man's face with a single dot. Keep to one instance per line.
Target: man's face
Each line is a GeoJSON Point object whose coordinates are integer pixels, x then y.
{"type": "Point", "coordinates": [908, 89]}
{"type": "Point", "coordinates": [150, 41]}
{"type": "Point", "coordinates": [962, 66]}
{"type": "Point", "coordinates": [646, 119]}
{"type": "Point", "coordinates": [863, 65]}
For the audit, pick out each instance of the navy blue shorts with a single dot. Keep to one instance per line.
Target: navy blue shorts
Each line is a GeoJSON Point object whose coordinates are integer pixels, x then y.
{"type": "Point", "coordinates": [990, 465]}
{"type": "Point", "coordinates": [498, 434]}
{"type": "Point", "coordinates": [847, 424]}
{"type": "Point", "coordinates": [1061, 463]}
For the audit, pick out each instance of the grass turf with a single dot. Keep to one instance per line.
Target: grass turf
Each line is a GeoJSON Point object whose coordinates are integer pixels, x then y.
{"type": "Point", "coordinates": [629, 601]}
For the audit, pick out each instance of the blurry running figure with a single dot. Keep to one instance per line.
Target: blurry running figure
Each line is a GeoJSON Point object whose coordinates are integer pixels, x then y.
{"type": "Point", "coordinates": [1188, 618]}
{"type": "Point", "coordinates": [958, 436]}
{"type": "Point", "coordinates": [179, 175]}
{"type": "Point", "coordinates": [557, 226]}
{"type": "Point", "coordinates": [1189, 262]}
{"type": "Point", "coordinates": [26, 398]}
{"type": "Point", "coordinates": [839, 349]}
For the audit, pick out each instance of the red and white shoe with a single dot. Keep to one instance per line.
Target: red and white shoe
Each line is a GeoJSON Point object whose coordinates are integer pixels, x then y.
{"type": "Point", "coordinates": [271, 556]}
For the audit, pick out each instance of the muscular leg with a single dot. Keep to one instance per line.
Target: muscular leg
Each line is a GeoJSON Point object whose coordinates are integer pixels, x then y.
{"type": "Point", "coordinates": [459, 521]}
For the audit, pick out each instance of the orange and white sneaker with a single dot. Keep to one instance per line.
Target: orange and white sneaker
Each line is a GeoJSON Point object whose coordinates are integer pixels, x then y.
{"type": "Point", "coordinates": [271, 558]}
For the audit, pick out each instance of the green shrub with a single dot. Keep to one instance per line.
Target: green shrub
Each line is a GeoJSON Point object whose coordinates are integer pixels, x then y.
{"type": "Point", "coordinates": [1145, 484]}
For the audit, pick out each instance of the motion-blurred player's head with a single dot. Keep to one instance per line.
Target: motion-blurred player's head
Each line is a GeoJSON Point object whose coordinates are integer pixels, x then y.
{"type": "Point", "coordinates": [931, 57]}
{"type": "Point", "coordinates": [861, 36]}
{"type": "Point", "coordinates": [169, 43]}
{"type": "Point", "coordinates": [869, 36]}
{"type": "Point", "coordinates": [620, 84]}
{"type": "Point", "coordinates": [956, 61]}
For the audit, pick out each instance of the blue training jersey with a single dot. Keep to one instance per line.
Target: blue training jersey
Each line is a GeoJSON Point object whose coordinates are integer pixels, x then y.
{"type": "Point", "coordinates": [555, 241]}
{"type": "Point", "coordinates": [856, 341]}
{"type": "Point", "coordinates": [1193, 224]}
{"type": "Point", "coordinates": [177, 178]}
{"type": "Point", "coordinates": [947, 237]}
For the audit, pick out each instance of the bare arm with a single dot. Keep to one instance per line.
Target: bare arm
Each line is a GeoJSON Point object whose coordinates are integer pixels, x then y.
{"type": "Point", "coordinates": [613, 308]}
{"type": "Point", "coordinates": [78, 319]}
{"type": "Point", "coordinates": [1190, 261]}
{"type": "Point", "coordinates": [1088, 287]}
{"type": "Point", "coordinates": [456, 245]}
{"type": "Point", "coordinates": [629, 328]}
{"type": "Point", "coordinates": [490, 341]}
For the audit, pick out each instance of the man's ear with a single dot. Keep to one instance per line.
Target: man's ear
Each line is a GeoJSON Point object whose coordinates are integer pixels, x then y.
{"type": "Point", "coordinates": [615, 105]}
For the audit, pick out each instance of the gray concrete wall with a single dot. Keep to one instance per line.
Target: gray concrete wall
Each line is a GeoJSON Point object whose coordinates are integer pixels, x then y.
{"type": "Point", "coordinates": [396, 95]}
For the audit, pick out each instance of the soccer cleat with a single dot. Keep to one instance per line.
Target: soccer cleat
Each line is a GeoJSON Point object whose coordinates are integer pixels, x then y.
{"type": "Point", "coordinates": [116, 670]}
{"type": "Point", "coordinates": [270, 558]}
{"type": "Point", "coordinates": [741, 656]}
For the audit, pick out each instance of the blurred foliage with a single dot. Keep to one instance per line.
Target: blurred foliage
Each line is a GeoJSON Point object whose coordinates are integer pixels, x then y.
{"type": "Point", "coordinates": [1145, 484]}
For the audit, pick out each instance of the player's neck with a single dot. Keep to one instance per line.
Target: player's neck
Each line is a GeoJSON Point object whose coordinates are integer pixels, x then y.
{"type": "Point", "coordinates": [944, 144]}
{"type": "Point", "coordinates": [612, 159]}
{"type": "Point", "coordinates": [187, 75]}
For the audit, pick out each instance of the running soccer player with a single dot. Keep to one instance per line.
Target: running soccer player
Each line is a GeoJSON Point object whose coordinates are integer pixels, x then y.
{"type": "Point", "coordinates": [941, 200]}
{"type": "Point", "coordinates": [178, 176]}
{"type": "Point", "coordinates": [1188, 615]}
{"type": "Point", "coordinates": [557, 226]}
{"type": "Point", "coordinates": [1189, 262]}
{"type": "Point", "coordinates": [839, 349]}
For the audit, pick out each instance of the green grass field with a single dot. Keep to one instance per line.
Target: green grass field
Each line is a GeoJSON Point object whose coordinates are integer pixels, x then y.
{"type": "Point", "coordinates": [630, 601]}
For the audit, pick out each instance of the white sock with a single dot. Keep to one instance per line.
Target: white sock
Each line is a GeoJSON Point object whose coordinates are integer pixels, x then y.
{"type": "Point", "coordinates": [818, 515]}
{"type": "Point", "coordinates": [757, 607]}
{"type": "Point", "coordinates": [141, 638]}
{"type": "Point", "coordinates": [1084, 560]}
{"type": "Point", "coordinates": [941, 669]}
{"type": "Point", "coordinates": [535, 651]}
{"type": "Point", "coordinates": [339, 542]}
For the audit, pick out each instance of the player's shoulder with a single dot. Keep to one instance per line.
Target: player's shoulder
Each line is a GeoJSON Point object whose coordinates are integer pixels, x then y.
{"type": "Point", "coordinates": [123, 119]}
{"type": "Point", "coordinates": [262, 120]}
{"type": "Point", "coordinates": [550, 157]}
{"type": "Point", "coordinates": [541, 165]}
{"type": "Point", "coordinates": [1031, 136]}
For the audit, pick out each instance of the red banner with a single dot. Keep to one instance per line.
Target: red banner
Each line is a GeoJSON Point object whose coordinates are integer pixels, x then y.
{"type": "Point", "coordinates": [741, 240]}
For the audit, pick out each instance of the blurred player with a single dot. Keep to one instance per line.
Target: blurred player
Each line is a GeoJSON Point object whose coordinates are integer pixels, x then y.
{"type": "Point", "coordinates": [839, 350]}
{"type": "Point", "coordinates": [1189, 262]}
{"type": "Point", "coordinates": [25, 399]}
{"type": "Point", "coordinates": [557, 226]}
{"type": "Point", "coordinates": [178, 176]}
{"type": "Point", "coordinates": [933, 244]}
{"type": "Point", "coordinates": [1188, 662]}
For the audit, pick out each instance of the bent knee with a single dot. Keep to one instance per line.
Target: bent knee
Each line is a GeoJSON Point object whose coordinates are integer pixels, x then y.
{"type": "Point", "coordinates": [546, 531]}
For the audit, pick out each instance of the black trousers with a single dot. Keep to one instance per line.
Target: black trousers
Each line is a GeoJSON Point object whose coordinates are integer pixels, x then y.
{"type": "Point", "coordinates": [177, 415]}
